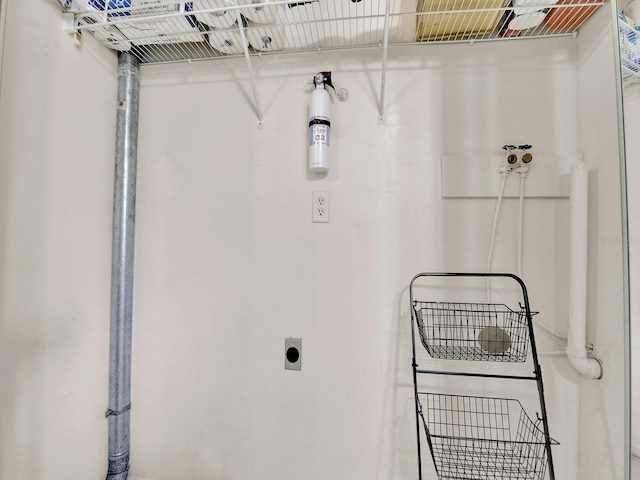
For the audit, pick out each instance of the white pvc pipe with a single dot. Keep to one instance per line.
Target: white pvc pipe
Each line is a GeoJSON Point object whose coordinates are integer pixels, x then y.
{"type": "Point", "coordinates": [494, 226]}
{"type": "Point", "coordinates": [523, 177]}
{"type": "Point", "coordinates": [576, 341]}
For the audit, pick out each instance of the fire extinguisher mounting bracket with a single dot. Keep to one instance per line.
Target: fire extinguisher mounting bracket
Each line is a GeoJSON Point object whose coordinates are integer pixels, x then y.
{"type": "Point", "coordinates": [342, 95]}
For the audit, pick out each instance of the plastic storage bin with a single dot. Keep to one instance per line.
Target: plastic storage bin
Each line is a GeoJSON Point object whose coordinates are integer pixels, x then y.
{"type": "Point", "coordinates": [564, 18]}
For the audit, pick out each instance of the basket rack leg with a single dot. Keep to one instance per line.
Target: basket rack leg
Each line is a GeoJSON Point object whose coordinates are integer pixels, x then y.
{"type": "Point", "coordinates": [415, 395]}
{"type": "Point", "coordinates": [538, 375]}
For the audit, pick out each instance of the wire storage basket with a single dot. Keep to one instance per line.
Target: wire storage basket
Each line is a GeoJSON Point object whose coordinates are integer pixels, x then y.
{"type": "Point", "coordinates": [482, 438]}
{"type": "Point", "coordinates": [472, 331]}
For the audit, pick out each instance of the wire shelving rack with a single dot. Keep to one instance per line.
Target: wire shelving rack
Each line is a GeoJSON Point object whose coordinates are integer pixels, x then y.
{"type": "Point", "coordinates": [165, 31]}
{"type": "Point", "coordinates": [171, 31]}
{"type": "Point", "coordinates": [478, 437]}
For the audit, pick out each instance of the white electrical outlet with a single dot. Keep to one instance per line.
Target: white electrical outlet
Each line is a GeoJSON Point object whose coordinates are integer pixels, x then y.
{"type": "Point", "coordinates": [320, 207]}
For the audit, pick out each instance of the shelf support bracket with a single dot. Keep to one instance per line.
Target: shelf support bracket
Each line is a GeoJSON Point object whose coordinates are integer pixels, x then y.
{"type": "Point", "coordinates": [245, 47]}
{"type": "Point", "coordinates": [385, 48]}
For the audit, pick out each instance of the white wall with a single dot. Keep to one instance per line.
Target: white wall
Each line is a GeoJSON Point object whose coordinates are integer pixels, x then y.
{"type": "Point", "coordinates": [56, 144]}
{"type": "Point", "coordinates": [602, 402]}
{"type": "Point", "coordinates": [229, 264]}
{"type": "Point", "coordinates": [632, 122]}
{"type": "Point", "coordinates": [631, 96]}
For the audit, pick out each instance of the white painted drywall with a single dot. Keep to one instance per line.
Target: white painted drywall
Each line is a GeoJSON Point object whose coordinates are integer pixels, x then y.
{"type": "Point", "coordinates": [229, 263]}
{"type": "Point", "coordinates": [632, 123]}
{"type": "Point", "coordinates": [602, 402]}
{"type": "Point", "coordinates": [56, 142]}
{"type": "Point", "coordinates": [233, 265]}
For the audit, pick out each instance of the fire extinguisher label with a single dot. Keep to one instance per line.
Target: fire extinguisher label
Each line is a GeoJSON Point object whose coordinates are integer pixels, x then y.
{"type": "Point", "coordinates": [319, 134]}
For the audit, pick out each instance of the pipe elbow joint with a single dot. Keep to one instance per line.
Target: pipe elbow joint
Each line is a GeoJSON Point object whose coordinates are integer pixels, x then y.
{"type": "Point", "coordinates": [590, 367]}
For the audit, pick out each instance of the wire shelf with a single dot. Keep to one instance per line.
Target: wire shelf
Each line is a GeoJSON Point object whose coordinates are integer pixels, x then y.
{"type": "Point", "coordinates": [472, 331]}
{"type": "Point", "coordinates": [482, 438]}
{"type": "Point", "coordinates": [629, 49]}
{"type": "Point", "coordinates": [162, 31]}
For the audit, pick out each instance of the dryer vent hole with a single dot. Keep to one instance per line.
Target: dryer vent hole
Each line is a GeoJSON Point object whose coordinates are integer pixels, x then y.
{"type": "Point", "coordinates": [292, 354]}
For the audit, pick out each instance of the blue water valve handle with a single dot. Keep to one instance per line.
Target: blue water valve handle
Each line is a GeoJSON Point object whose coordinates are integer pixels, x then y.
{"type": "Point", "coordinates": [525, 147]}
{"type": "Point", "coordinates": [509, 147]}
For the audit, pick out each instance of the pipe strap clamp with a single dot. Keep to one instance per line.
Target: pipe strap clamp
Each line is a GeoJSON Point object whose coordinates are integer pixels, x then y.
{"type": "Point", "coordinates": [115, 413]}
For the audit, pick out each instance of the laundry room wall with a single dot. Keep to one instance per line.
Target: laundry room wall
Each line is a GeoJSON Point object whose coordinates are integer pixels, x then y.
{"type": "Point", "coordinates": [56, 190]}
{"type": "Point", "coordinates": [228, 263]}
{"type": "Point", "coordinates": [632, 121]}
{"type": "Point", "coordinates": [602, 401]}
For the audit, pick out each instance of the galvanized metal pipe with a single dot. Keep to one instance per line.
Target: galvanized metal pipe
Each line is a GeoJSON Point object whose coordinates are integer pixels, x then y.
{"type": "Point", "coordinates": [122, 273]}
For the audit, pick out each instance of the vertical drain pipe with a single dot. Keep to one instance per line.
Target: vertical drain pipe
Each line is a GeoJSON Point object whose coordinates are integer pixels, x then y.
{"type": "Point", "coordinates": [124, 207]}
{"type": "Point", "coordinates": [578, 232]}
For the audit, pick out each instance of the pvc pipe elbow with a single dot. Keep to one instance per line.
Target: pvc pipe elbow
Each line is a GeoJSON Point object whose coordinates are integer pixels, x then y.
{"type": "Point", "coordinates": [586, 366]}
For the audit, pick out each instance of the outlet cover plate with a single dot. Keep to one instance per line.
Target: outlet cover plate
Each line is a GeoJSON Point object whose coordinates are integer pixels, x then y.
{"type": "Point", "coordinates": [320, 207]}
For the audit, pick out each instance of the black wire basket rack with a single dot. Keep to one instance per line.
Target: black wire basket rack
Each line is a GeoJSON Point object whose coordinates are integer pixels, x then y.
{"type": "Point", "coordinates": [473, 437]}
{"type": "Point", "coordinates": [472, 331]}
{"type": "Point", "coordinates": [482, 438]}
